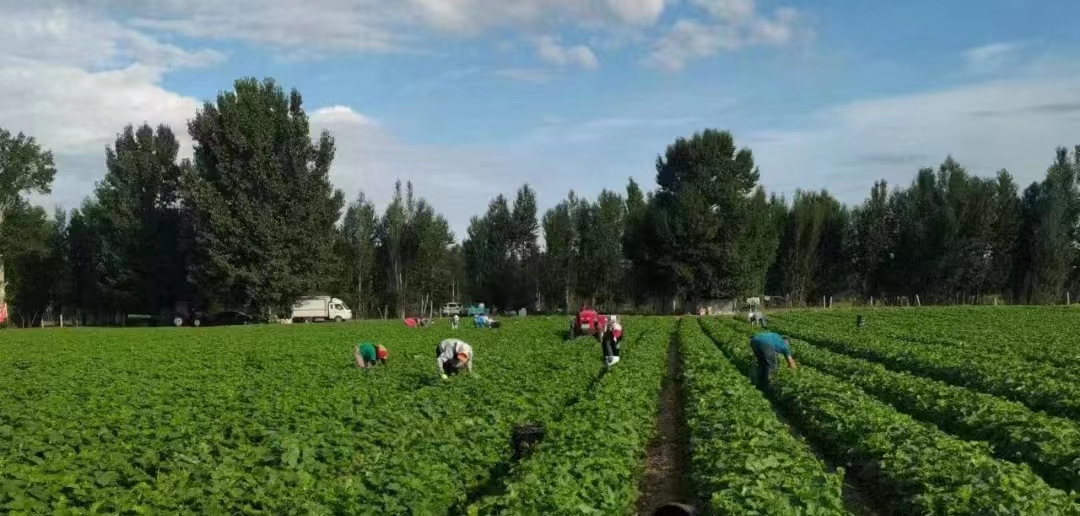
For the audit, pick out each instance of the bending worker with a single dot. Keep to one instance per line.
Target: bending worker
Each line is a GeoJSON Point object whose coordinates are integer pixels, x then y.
{"type": "Point", "coordinates": [368, 354]}
{"type": "Point", "coordinates": [767, 345]}
{"type": "Point", "coordinates": [453, 355]}
{"type": "Point", "coordinates": [610, 341]}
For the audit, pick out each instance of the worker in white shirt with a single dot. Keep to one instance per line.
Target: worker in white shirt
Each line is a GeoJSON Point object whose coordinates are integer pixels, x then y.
{"type": "Point", "coordinates": [452, 356]}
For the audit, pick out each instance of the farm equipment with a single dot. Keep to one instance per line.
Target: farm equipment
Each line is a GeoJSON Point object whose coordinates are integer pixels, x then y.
{"type": "Point", "coordinates": [587, 322]}
{"type": "Point", "coordinates": [475, 310]}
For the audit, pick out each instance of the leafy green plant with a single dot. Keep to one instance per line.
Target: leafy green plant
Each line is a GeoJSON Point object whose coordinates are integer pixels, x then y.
{"type": "Point", "coordinates": [928, 471]}
{"type": "Point", "coordinates": [590, 460]}
{"type": "Point", "coordinates": [745, 460]}
{"type": "Point", "coordinates": [1040, 387]}
{"type": "Point", "coordinates": [1051, 445]}
{"type": "Point", "coordinates": [267, 420]}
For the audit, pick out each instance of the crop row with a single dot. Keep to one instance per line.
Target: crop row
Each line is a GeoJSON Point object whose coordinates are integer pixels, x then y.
{"type": "Point", "coordinates": [1051, 445]}
{"type": "Point", "coordinates": [590, 461]}
{"type": "Point", "coordinates": [743, 459]}
{"type": "Point", "coordinates": [271, 420]}
{"type": "Point", "coordinates": [926, 470]}
{"type": "Point", "coordinates": [1039, 387]}
{"type": "Point", "coordinates": [1042, 335]}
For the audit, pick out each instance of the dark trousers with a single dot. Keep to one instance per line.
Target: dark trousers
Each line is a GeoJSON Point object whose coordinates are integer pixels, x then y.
{"type": "Point", "coordinates": [766, 364]}
{"type": "Point", "coordinates": [609, 345]}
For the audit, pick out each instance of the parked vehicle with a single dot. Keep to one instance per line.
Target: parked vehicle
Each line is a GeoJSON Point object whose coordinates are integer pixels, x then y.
{"type": "Point", "coordinates": [231, 318]}
{"type": "Point", "coordinates": [225, 318]}
{"type": "Point", "coordinates": [320, 308]}
{"type": "Point", "coordinates": [450, 309]}
{"type": "Point", "coordinates": [475, 310]}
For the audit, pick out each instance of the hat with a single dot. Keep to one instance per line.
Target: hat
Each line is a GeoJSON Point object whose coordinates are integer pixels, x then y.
{"type": "Point", "coordinates": [462, 357]}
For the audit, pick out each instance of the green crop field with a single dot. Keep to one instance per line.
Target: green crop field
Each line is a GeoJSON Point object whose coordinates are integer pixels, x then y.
{"type": "Point", "coordinates": [922, 411]}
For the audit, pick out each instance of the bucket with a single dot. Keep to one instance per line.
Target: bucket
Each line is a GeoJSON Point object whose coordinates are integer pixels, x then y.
{"type": "Point", "coordinates": [524, 438]}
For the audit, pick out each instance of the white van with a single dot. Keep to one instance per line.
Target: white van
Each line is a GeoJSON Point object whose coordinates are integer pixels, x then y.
{"type": "Point", "coordinates": [320, 308]}
{"type": "Point", "coordinates": [450, 309]}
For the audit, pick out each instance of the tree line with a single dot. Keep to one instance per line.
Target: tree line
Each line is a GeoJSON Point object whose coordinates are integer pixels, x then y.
{"type": "Point", "coordinates": [252, 222]}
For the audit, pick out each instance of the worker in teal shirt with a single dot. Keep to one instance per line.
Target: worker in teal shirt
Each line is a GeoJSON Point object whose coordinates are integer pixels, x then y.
{"type": "Point", "coordinates": [767, 345]}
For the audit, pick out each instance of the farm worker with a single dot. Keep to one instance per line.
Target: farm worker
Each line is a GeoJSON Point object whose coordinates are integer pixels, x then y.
{"type": "Point", "coordinates": [453, 355]}
{"type": "Point", "coordinates": [368, 354]}
{"type": "Point", "coordinates": [480, 320]}
{"type": "Point", "coordinates": [455, 321]}
{"type": "Point", "coordinates": [767, 345]}
{"type": "Point", "coordinates": [610, 341]}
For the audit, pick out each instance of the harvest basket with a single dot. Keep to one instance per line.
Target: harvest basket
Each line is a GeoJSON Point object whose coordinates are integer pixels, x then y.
{"type": "Point", "coordinates": [524, 438]}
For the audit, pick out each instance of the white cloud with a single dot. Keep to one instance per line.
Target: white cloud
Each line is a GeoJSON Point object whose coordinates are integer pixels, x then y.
{"type": "Point", "coordinates": [992, 57]}
{"type": "Point", "coordinates": [76, 36]}
{"type": "Point", "coordinates": [728, 10]}
{"type": "Point", "coordinates": [73, 79]}
{"type": "Point", "coordinates": [379, 25]}
{"type": "Point", "coordinates": [552, 51]}
{"type": "Point", "coordinates": [340, 115]}
{"type": "Point", "coordinates": [1013, 124]}
{"type": "Point", "coordinates": [533, 75]}
{"type": "Point", "coordinates": [734, 24]}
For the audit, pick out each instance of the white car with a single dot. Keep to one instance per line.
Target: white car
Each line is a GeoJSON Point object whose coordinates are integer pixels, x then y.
{"type": "Point", "coordinates": [450, 309]}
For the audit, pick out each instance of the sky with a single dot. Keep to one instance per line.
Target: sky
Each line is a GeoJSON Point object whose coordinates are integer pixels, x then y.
{"type": "Point", "coordinates": [472, 98]}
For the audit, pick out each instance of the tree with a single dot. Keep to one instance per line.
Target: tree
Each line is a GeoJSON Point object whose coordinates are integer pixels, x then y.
{"type": "Point", "coordinates": [25, 237]}
{"type": "Point", "coordinates": [25, 167]}
{"type": "Point", "coordinates": [812, 246]}
{"type": "Point", "coordinates": [139, 202]}
{"type": "Point", "coordinates": [1050, 213]}
{"type": "Point", "coordinates": [705, 217]}
{"type": "Point", "coordinates": [871, 236]}
{"type": "Point", "coordinates": [358, 232]}
{"type": "Point", "coordinates": [489, 255]}
{"type": "Point", "coordinates": [523, 242]}
{"type": "Point", "coordinates": [259, 198]}
{"type": "Point", "coordinates": [600, 260]}
{"type": "Point", "coordinates": [1005, 232]}
{"type": "Point", "coordinates": [560, 242]}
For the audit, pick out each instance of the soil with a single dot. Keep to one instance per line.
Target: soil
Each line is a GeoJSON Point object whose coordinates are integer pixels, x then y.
{"type": "Point", "coordinates": [667, 458]}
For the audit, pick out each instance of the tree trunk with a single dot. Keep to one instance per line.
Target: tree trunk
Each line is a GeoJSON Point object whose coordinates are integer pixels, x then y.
{"type": "Point", "coordinates": [359, 294]}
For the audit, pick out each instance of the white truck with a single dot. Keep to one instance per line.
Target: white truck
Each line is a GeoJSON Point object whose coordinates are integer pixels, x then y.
{"type": "Point", "coordinates": [320, 308]}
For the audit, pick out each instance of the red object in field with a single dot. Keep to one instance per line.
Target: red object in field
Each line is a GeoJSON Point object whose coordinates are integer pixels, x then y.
{"type": "Point", "coordinates": [3, 312]}
{"type": "Point", "coordinates": [410, 322]}
{"type": "Point", "coordinates": [588, 322]}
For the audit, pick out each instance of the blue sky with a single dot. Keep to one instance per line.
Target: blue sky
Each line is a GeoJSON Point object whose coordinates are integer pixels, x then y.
{"type": "Point", "coordinates": [471, 98]}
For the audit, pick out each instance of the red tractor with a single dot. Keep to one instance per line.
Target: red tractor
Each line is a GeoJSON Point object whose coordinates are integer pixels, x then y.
{"type": "Point", "coordinates": [587, 322]}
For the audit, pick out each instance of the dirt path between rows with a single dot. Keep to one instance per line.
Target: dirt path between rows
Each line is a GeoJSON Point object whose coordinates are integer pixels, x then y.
{"type": "Point", "coordinates": [667, 459]}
